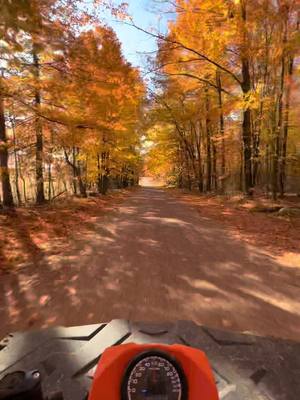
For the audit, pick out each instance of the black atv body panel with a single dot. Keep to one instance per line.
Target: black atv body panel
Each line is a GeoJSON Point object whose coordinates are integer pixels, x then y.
{"type": "Point", "coordinates": [246, 367]}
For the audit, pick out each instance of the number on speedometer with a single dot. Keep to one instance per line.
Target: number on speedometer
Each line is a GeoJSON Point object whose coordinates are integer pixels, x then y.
{"type": "Point", "coordinates": [154, 376]}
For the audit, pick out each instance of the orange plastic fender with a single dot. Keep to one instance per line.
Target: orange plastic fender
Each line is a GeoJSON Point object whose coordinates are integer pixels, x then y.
{"type": "Point", "coordinates": [114, 361]}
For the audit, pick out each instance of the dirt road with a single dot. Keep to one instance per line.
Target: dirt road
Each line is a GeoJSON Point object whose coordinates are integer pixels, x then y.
{"type": "Point", "coordinates": [154, 259]}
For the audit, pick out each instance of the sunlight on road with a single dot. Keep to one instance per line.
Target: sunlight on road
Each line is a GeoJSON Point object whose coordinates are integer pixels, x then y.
{"type": "Point", "coordinates": [148, 181]}
{"type": "Point", "coordinates": [153, 257]}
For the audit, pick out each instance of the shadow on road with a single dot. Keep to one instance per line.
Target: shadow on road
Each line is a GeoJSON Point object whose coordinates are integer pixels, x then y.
{"type": "Point", "coordinates": [154, 259]}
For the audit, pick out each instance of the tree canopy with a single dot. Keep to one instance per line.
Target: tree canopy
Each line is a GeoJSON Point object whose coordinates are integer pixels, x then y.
{"type": "Point", "coordinates": [221, 113]}
{"type": "Point", "coordinates": [227, 73]}
{"type": "Point", "coordinates": [70, 103]}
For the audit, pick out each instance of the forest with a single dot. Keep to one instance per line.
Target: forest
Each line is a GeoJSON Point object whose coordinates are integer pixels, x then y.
{"type": "Point", "coordinates": [221, 113]}
{"type": "Point", "coordinates": [226, 106]}
{"type": "Point", "coordinates": [70, 103]}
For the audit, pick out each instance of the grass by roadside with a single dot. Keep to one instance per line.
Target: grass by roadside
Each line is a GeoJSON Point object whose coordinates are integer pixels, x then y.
{"type": "Point", "coordinates": [277, 234]}
{"type": "Point", "coordinates": [25, 231]}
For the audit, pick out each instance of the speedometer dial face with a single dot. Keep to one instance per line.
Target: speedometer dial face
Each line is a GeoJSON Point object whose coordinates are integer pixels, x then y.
{"type": "Point", "coordinates": [154, 376]}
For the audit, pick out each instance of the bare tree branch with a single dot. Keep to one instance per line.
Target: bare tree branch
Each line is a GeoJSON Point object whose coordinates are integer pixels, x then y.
{"type": "Point", "coordinates": [178, 43]}
{"type": "Point", "coordinates": [187, 74]}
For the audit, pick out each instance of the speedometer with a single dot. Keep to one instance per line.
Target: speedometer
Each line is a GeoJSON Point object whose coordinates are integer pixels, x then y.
{"type": "Point", "coordinates": [154, 375]}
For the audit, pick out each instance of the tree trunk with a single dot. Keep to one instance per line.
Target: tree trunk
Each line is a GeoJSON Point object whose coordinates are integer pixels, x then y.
{"type": "Point", "coordinates": [187, 167]}
{"type": "Point", "coordinates": [256, 144]}
{"type": "Point", "coordinates": [74, 180]}
{"type": "Point", "coordinates": [24, 189]}
{"type": "Point", "coordinates": [12, 120]}
{"type": "Point", "coordinates": [8, 200]}
{"type": "Point", "coordinates": [268, 169]}
{"type": "Point", "coordinates": [214, 166]}
{"type": "Point", "coordinates": [248, 180]}
{"type": "Point", "coordinates": [259, 123]}
{"type": "Point", "coordinates": [242, 170]}
{"type": "Point", "coordinates": [274, 155]}
{"type": "Point", "coordinates": [208, 143]}
{"type": "Point", "coordinates": [104, 181]}
{"type": "Point", "coordinates": [277, 139]}
{"type": "Point", "coordinates": [82, 186]}
{"type": "Point", "coordinates": [198, 146]}
{"type": "Point", "coordinates": [246, 127]}
{"type": "Point", "coordinates": [222, 131]}
{"type": "Point", "coordinates": [40, 197]}
{"type": "Point", "coordinates": [282, 177]}
{"type": "Point", "coordinates": [99, 178]}
{"type": "Point", "coordinates": [181, 167]}
{"type": "Point", "coordinates": [50, 183]}
{"type": "Point", "coordinates": [77, 174]}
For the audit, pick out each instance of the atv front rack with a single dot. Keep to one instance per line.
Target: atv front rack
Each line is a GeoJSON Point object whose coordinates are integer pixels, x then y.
{"type": "Point", "coordinates": [246, 367]}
